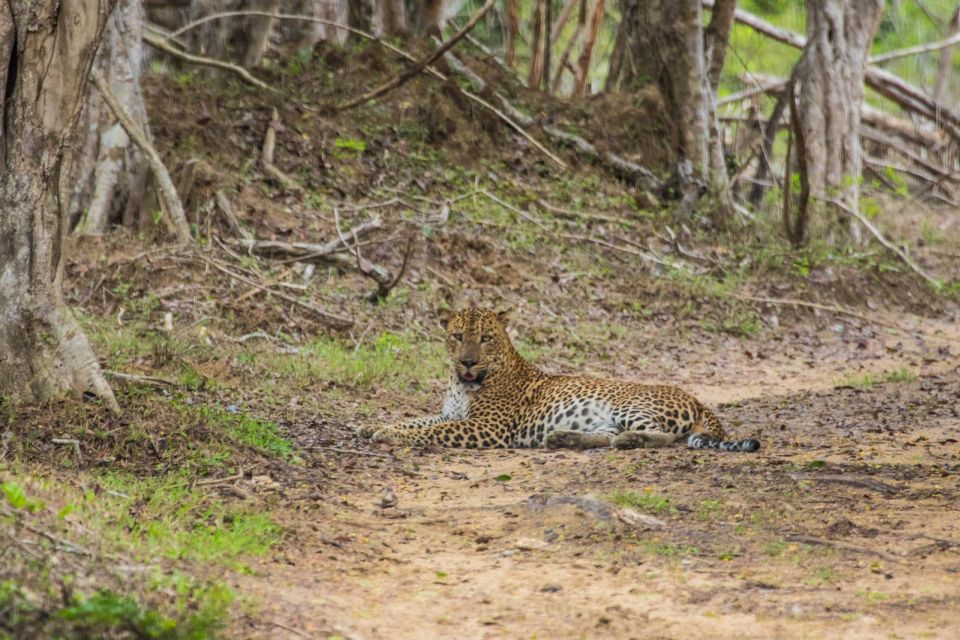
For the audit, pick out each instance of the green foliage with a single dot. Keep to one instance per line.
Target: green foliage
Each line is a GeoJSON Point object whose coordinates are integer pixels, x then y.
{"type": "Point", "coordinates": [243, 428]}
{"type": "Point", "coordinates": [393, 360]}
{"type": "Point", "coordinates": [199, 613]}
{"type": "Point", "coordinates": [349, 147]}
{"type": "Point", "coordinates": [18, 498]}
{"type": "Point", "coordinates": [647, 501]}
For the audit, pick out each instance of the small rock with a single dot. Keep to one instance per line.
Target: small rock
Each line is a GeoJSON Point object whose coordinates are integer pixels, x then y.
{"type": "Point", "coordinates": [388, 498]}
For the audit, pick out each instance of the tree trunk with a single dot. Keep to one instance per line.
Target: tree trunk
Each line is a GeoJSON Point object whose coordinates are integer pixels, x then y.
{"type": "Point", "coordinates": [391, 17]}
{"type": "Point", "coordinates": [46, 52]}
{"type": "Point", "coordinates": [539, 62]}
{"type": "Point", "coordinates": [716, 37]}
{"type": "Point", "coordinates": [512, 26]}
{"type": "Point", "coordinates": [667, 42]}
{"type": "Point", "coordinates": [110, 177]}
{"type": "Point", "coordinates": [839, 35]}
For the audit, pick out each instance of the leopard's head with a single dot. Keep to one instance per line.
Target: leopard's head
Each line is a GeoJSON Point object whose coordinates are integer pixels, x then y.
{"type": "Point", "coordinates": [478, 344]}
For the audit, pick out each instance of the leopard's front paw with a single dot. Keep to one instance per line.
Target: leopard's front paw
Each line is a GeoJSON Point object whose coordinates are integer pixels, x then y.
{"type": "Point", "coordinates": [386, 434]}
{"type": "Point", "coordinates": [562, 440]}
{"type": "Point", "coordinates": [367, 432]}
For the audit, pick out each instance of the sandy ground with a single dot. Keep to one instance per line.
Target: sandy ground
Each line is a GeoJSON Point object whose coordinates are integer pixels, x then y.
{"type": "Point", "coordinates": [845, 525]}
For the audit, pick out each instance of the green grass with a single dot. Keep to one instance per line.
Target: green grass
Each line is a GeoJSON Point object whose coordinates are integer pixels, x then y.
{"type": "Point", "coordinates": [869, 380]}
{"type": "Point", "coordinates": [245, 429]}
{"type": "Point", "coordinates": [393, 360]}
{"type": "Point", "coordinates": [711, 509]}
{"type": "Point", "coordinates": [169, 518]}
{"type": "Point", "coordinates": [646, 501]}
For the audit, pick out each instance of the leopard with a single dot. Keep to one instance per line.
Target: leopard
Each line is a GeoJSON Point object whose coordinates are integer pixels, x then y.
{"type": "Point", "coordinates": [498, 399]}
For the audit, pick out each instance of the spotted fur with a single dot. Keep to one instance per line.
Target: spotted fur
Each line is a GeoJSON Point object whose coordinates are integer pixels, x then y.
{"type": "Point", "coordinates": [498, 399]}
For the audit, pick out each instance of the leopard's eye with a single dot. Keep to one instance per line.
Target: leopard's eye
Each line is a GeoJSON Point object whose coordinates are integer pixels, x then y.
{"type": "Point", "coordinates": [486, 338]}
{"type": "Point", "coordinates": [458, 337]}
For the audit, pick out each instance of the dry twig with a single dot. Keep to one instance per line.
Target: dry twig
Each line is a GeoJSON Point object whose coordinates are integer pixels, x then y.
{"type": "Point", "coordinates": [168, 193]}
{"type": "Point", "coordinates": [163, 45]}
{"type": "Point", "coordinates": [418, 68]}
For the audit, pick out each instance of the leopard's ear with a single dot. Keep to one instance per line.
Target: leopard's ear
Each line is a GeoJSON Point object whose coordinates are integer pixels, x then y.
{"type": "Point", "coordinates": [444, 315]}
{"type": "Point", "coordinates": [503, 315]}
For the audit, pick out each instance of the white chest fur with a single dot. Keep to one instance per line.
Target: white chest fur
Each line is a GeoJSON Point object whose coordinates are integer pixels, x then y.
{"type": "Point", "coordinates": [456, 402]}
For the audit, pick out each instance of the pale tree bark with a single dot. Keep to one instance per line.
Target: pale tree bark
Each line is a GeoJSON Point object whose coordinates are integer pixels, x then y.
{"type": "Point", "coordinates": [46, 52]}
{"type": "Point", "coordinates": [831, 73]}
{"type": "Point", "coordinates": [390, 17]}
{"type": "Point", "coordinates": [110, 177]}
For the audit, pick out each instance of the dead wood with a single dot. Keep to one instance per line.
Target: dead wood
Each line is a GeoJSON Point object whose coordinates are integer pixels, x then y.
{"type": "Point", "coordinates": [162, 45]}
{"type": "Point", "coordinates": [882, 240]}
{"type": "Point", "coordinates": [422, 64]}
{"type": "Point", "coordinates": [599, 510]}
{"type": "Point", "coordinates": [226, 207]}
{"type": "Point", "coordinates": [333, 320]}
{"type": "Point", "coordinates": [852, 481]}
{"type": "Point", "coordinates": [855, 548]}
{"type": "Point", "coordinates": [267, 152]}
{"type": "Point", "coordinates": [168, 193]}
{"type": "Point", "coordinates": [140, 379]}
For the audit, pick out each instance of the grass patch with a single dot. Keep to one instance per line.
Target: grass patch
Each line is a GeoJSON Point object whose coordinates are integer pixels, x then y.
{"type": "Point", "coordinates": [393, 360]}
{"type": "Point", "coordinates": [646, 501]}
{"type": "Point", "coordinates": [245, 429]}
{"type": "Point", "coordinates": [710, 510]}
{"type": "Point", "coordinates": [869, 380]}
{"type": "Point", "coordinates": [165, 517]}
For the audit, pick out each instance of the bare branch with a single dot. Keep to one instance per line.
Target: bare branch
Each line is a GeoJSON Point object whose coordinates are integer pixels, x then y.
{"type": "Point", "coordinates": [162, 45]}
{"type": "Point", "coordinates": [418, 68]}
{"type": "Point", "coordinates": [168, 193]}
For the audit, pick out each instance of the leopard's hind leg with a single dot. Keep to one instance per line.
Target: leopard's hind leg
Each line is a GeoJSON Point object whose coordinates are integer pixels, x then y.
{"type": "Point", "coordinates": [643, 439]}
{"type": "Point", "coordinates": [577, 440]}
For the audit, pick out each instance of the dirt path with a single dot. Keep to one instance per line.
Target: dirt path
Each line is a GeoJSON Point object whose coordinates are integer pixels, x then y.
{"type": "Point", "coordinates": [845, 525]}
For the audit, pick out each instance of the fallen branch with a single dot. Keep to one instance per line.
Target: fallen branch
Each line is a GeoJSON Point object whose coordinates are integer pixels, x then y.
{"type": "Point", "coordinates": [835, 309]}
{"type": "Point", "coordinates": [632, 171]}
{"type": "Point", "coordinates": [379, 274]}
{"type": "Point", "coordinates": [886, 243]}
{"type": "Point", "coordinates": [162, 45]}
{"type": "Point", "coordinates": [307, 250]}
{"type": "Point", "coordinates": [226, 207]}
{"type": "Point", "coordinates": [267, 151]}
{"type": "Point", "coordinates": [418, 68]}
{"type": "Point", "coordinates": [337, 322]}
{"type": "Point", "coordinates": [132, 377]}
{"type": "Point", "coordinates": [168, 193]}
{"type": "Point", "coordinates": [912, 51]}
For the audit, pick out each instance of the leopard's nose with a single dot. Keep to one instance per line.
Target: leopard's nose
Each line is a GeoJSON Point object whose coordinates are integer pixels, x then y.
{"type": "Point", "coordinates": [468, 363]}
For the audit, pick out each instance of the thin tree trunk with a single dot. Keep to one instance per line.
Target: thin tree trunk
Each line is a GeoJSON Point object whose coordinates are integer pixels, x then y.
{"type": "Point", "coordinates": [716, 36]}
{"type": "Point", "coordinates": [513, 25]}
{"type": "Point", "coordinates": [46, 50]}
{"type": "Point", "coordinates": [538, 54]}
{"type": "Point", "coordinates": [946, 60]}
{"type": "Point", "coordinates": [586, 55]}
{"type": "Point", "coordinates": [839, 35]}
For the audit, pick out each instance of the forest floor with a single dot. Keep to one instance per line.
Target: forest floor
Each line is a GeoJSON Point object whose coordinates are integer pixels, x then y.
{"type": "Point", "coordinates": [235, 480]}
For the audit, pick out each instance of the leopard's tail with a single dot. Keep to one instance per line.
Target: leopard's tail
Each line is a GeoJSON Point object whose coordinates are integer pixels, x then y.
{"type": "Point", "coordinates": [709, 434]}
{"type": "Point", "coordinates": [701, 441]}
